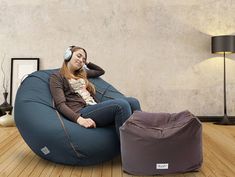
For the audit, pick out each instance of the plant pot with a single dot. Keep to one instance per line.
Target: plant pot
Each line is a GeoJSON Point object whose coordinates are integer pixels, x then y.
{"type": "Point", "coordinates": [7, 120]}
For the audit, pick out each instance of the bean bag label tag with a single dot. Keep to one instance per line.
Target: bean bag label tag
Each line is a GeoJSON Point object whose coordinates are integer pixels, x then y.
{"type": "Point", "coordinates": [162, 166]}
{"type": "Point", "coordinates": [45, 150]}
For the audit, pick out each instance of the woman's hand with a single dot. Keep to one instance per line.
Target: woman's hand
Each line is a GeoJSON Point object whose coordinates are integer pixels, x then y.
{"type": "Point", "coordinates": [87, 123]}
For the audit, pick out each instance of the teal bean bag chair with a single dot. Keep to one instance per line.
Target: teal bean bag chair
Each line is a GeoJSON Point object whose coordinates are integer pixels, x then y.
{"type": "Point", "coordinates": [55, 138]}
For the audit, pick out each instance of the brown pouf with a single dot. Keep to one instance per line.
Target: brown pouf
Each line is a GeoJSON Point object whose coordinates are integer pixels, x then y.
{"type": "Point", "coordinates": [161, 143]}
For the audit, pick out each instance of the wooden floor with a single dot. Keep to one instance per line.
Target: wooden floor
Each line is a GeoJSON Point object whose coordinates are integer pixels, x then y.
{"type": "Point", "coordinates": [16, 159]}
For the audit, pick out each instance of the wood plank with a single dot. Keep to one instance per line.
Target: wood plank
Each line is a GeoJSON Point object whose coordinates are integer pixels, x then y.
{"type": "Point", "coordinates": [22, 165]}
{"type": "Point", "coordinates": [86, 171]}
{"type": "Point", "coordinates": [5, 133]}
{"type": "Point", "coordinates": [13, 161]}
{"type": "Point", "coordinates": [77, 171]}
{"type": "Point", "coordinates": [14, 152]}
{"type": "Point", "coordinates": [217, 162]}
{"type": "Point", "coordinates": [8, 143]}
{"type": "Point", "coordinates": [57, 170]}
{"type": "Point", "coordinates": [222, 155]}
{"type": "Point", "coordinates": [67, 171]}
{"type": "Point", "coordinates": [47, 171]}
{"type": "Point", "coordinates": [29, 169]}
{"type": "Point", "coordinates": [39, 167]}
{"type": "Point", "coordinates": [107, 169]}
{"type": "Point", "coordinates": [124, 174]}
{"type": "Point", "coordinates": [116, 167]}
{"type": "Point", "coordinates": [97, 171]}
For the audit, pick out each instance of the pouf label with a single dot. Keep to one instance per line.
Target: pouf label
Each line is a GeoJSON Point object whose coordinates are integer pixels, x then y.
{"type": "Point", "coordinates": [45, 150]}
{"type": "Point", "coordinates": [162, 166]}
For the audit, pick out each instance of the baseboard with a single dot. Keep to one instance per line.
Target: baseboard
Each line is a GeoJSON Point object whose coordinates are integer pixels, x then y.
{"type": "Point", "coordinates": [214, 118]}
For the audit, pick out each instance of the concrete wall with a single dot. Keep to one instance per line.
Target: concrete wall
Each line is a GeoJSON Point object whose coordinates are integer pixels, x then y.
{"type": "Point", "coordinates": [155, 50]}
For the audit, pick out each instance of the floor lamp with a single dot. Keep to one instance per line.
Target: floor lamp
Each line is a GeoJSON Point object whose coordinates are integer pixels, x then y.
{"type": "Point", "coordinates": [224, 45]}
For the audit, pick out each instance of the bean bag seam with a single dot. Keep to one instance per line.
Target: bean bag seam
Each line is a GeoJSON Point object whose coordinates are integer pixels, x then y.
{"type": "Point", "coordinates": [104, 92]}
{"type": "Point", "coordinates": [66, 133]}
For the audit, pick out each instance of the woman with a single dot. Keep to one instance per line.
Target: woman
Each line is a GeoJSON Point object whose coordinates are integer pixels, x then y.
{"type": "Point", "coordinates": [74, 95]}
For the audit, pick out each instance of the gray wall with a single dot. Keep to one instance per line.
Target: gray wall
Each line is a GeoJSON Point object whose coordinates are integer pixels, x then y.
{"type": "Point", "coordinates": [155, 50]}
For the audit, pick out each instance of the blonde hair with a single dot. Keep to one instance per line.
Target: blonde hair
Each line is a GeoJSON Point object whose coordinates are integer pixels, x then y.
{"type": "Point", "coordinates": [81, 73]}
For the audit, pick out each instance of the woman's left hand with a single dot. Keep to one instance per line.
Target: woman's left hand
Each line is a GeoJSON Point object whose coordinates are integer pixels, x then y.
{"type": "Point", "coordinates": [86, 122]}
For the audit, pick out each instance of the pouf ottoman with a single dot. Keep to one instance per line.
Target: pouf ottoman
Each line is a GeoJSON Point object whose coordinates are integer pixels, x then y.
{"type": "Point", "coordinates": [161, 143]}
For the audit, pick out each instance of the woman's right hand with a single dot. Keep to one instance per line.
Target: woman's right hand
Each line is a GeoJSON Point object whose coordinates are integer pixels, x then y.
{"type": "Point", "coordinates": [87, 123]}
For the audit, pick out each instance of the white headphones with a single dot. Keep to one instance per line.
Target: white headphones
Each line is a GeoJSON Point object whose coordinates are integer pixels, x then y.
{"type": "Point", "coordinates": [68, 53]}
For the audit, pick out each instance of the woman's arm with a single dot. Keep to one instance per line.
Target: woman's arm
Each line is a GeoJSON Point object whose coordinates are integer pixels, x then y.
{"type": "Point", "coordinates": [94, 70]}
{"type": "Point", "coordinates": [56, 87]}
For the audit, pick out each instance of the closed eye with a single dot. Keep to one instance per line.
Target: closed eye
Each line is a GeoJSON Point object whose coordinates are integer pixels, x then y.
{"type": "Point", "coordinates": [80, 57]}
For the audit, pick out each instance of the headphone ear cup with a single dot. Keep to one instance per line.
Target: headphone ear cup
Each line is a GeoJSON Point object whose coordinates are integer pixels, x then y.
{"type": "Point", "coordinates": [68, 54]}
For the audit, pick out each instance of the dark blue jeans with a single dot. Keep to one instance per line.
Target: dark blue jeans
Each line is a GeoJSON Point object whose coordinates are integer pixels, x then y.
{"type": "Point", "coordinates": [134, 103]}
{"type": "Point", "coordinates": [109, 112]}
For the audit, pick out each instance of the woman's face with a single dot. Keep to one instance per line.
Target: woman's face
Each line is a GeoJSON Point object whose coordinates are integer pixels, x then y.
{"type": "Point", "coordinates": [78, 59]}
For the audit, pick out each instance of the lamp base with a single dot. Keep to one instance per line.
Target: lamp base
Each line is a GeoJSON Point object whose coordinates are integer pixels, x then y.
{"type": "Point", "coordinates": [225, 121]}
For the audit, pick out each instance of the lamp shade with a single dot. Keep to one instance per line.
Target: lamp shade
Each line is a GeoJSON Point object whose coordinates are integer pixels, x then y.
{"type": "Point", "coordinates": [221, 44]}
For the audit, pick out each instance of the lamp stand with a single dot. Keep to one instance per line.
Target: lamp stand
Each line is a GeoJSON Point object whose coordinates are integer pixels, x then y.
{"type": "Point", "coordinates": [225, 120]}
